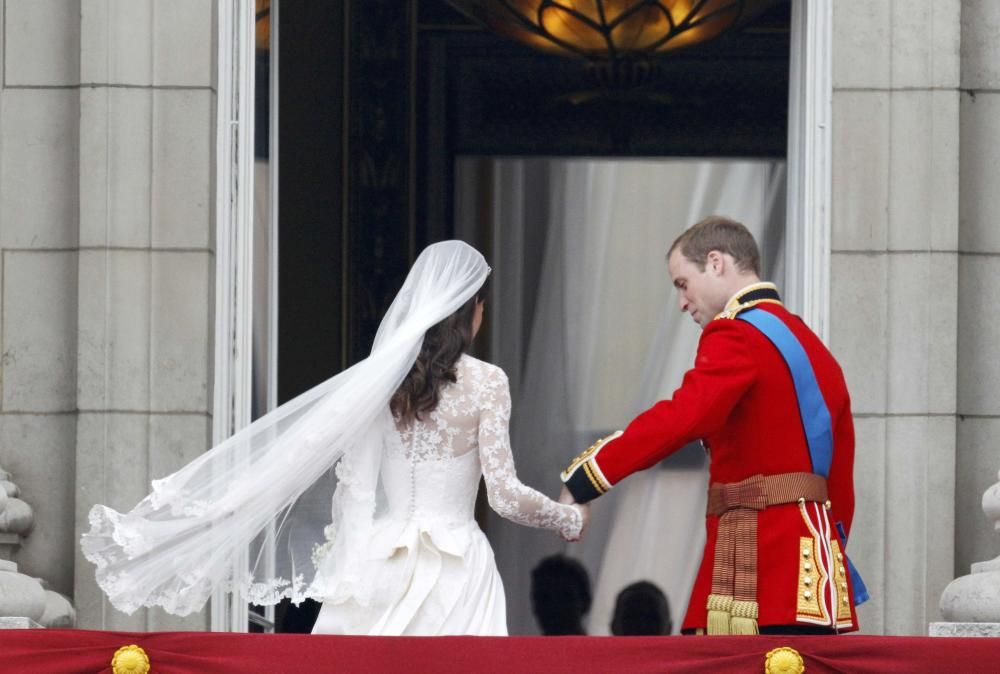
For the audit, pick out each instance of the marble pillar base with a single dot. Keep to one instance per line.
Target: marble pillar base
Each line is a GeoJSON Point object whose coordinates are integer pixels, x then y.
{"type": "Point", "coordinates": [18, 624]}
{"type": "Point", "coordinates": [965, 630]}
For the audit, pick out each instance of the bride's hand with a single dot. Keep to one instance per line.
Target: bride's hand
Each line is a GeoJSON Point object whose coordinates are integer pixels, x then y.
{"type": "Point", "coordinates": [584, 510]}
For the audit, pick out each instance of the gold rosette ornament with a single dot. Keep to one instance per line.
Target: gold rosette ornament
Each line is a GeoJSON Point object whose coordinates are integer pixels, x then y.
{"type": "Point", "coordinates": [130, 660]}
{"type": "Point", "coordinates": [784, 660]}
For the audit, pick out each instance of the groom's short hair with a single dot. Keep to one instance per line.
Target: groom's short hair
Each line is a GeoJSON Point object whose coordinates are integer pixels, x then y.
{"type": "Point", "coordinates": [722, 234]}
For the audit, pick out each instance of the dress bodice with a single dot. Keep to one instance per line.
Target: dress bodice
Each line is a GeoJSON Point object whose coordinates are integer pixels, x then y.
{"type": "Point", "coordinates": [437, 489]}
{"type": "Point", "coordinates": [432, 472]}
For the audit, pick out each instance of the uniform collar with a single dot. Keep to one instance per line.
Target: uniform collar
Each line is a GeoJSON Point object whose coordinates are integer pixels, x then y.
{"type": "Point", "coordinates": [751, 295]}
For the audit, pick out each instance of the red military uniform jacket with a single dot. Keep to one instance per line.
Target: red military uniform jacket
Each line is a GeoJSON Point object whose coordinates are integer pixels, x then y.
{"type": "Point", "coordinates": [740, 399]}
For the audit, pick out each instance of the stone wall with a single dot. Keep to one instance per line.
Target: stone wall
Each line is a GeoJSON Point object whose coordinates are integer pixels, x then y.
{"type": "Point", "coordinates": [39, 253]}
{"type": "Point", "coordinates": [106, 225]}
{"type": "Point", "coordinates": [894, 293]}
{"type": "Point", "coordinates": [978, 447]}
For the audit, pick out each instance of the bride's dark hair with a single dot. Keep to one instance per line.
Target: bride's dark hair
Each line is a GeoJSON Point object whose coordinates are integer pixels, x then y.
{"type": "Point", "coordinates": [443, 345]}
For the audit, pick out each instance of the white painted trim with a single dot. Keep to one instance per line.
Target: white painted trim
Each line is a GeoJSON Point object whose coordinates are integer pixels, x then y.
{"type": "Point", "coordinates": [272, 264]}
{"type": "Point", "coordinates": [231, 405]}
{"type": "Point", "coordinates": [810, 102]}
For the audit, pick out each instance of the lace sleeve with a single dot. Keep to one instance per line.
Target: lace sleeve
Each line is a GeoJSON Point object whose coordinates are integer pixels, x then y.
{"type": "Point", "coordinates": [508, 496]}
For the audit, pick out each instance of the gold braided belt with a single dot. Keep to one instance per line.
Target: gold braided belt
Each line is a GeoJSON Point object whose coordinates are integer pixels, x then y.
{"type": "Point", "coordinates": [732, 605]}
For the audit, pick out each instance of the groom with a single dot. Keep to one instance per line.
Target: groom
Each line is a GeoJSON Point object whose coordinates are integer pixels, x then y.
{"type": "Point", "coordinates": [770, 405]}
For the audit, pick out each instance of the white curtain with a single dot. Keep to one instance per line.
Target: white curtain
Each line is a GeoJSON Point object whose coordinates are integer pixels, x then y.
{"type": "Point", "coordinates": [586, 324]}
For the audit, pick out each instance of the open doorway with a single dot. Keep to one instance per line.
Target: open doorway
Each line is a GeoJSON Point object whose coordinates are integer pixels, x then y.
{"type": "Point", "coordinates": [357, 199]}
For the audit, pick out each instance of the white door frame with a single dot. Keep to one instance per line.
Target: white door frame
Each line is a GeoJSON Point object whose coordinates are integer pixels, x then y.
{"type": "Point", "coordinates": [807, 248]}
{"type": "Point", "coordinates": [234, 156]}
{"type": "Point", "coordinates": [810, 101]}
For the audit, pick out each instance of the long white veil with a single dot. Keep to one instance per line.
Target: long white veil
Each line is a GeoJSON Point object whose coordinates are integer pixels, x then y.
{"type": "Point", "coordinates": [255, 492]}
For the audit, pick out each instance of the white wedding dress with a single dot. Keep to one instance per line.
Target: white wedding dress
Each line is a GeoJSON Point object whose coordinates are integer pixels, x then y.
{"type": "Point", "coordinates": [431, 568]}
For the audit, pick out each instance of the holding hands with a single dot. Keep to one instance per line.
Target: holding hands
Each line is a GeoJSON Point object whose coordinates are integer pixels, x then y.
{"type": "Point", "coordinates": [566, 498]}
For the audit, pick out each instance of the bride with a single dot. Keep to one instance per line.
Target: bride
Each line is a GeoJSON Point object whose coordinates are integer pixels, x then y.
{"type": "Point", "coordinates": [407, 432]}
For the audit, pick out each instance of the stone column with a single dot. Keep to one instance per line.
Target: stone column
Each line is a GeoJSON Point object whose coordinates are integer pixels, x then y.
{"type": "Point", "coordinates": [146, 276]}
{"type": "Point", "coordinates": [893, 293]}
{"type": "Point", "coordinates": [979, 280]}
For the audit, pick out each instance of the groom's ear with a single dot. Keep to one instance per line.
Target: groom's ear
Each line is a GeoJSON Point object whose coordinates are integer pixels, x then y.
{"type": "Point", "coordinates": [715, 262]}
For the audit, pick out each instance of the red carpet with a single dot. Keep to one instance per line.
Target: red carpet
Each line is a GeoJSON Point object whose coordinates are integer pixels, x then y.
{"type": "Point", "coordinates": [71, 651]}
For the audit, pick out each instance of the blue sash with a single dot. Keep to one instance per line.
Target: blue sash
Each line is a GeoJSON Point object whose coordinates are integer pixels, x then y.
{"type": "Point", "coordinates": [812, 409]}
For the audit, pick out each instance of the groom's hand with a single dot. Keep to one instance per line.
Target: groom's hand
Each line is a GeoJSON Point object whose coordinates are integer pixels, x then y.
{"type": "Point", "coordinates": [566, 498]}
{"type": "Point", "coordinates": [585, 513]}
